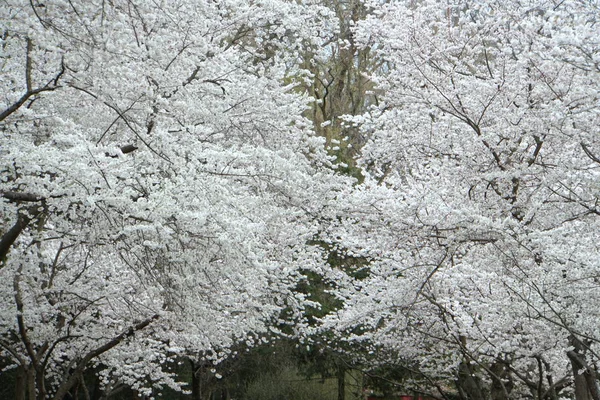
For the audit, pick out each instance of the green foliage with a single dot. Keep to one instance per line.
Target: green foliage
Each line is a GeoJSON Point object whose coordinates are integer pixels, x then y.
{"type": "Point", "coordinates": [7, 382]}
{"type": "Point", "coordinates": [284, 369]}
{"type": "Point", "coordinates": [355, 266]}
{"type": "Point", "coordinates": [288, 384]}
{"type": "Point", "coordinates": [317, 289]}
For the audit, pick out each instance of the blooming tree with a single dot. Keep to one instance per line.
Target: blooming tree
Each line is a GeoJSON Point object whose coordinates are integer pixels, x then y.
{"type": "Point", "coordinates": [158, 185]}
{"type": "Point", "coordinates": [479, 211]}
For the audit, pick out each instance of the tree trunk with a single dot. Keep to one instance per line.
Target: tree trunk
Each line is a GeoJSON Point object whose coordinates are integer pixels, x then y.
{"type": "Point", "coordinates": [468, 384]}
{"type": "Point", "coordinates": [500, 390]}
{"type": "Point", "coordinates": [31, 383]}
{"type": "Point", "coordinates": [40, 384]}
{"type": "Point", "coordinates": [581, 390]}
{"type": "Point", "coordinates": [196, 381]}
{"type": "Point", "coordinates": [341, 381]}
{"type": "Point", "coordinates": [21, 384]}
{"type": "Point", "coordinates": [201, 381]}
{"type": "Point", "coordinates": [584, 378]}
{"type": "Point", "coordinates": [223, 394]}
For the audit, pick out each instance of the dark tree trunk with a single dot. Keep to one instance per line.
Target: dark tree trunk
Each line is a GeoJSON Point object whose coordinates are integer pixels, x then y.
{"type": "Point", "coordinates": [40, 384]}
{"type": "Point", "coordinates": [468, 384]}
{"type": "Point", "coordinates": [196, 381]}
{"type": "Point", "coordinates": [584, 377]}
{"type": "Point", "coordinates": [580, 385]}
{"type": "Point", "coordinates": [21, 384]}
{"type": "Point", "coordinates": [341, 381]}
{"type": "Point", "coordinates": [31, 383]}
{"type": "Point", "coordinates": [501, 383]}
{"type": "Point", "coordinates": [201, 380]}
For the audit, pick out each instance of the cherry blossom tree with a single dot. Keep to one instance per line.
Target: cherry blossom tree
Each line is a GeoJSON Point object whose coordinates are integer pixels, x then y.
{"type": "Point", "coordinates": [159, 186]}
{"type": "Point", "coordinates": [479, 211]}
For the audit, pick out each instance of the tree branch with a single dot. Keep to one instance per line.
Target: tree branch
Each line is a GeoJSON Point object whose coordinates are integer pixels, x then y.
{"type": "Point", "coordinates": [13, 233]}
{"type": "Point", "coordinates": [125, 120]}
{"type": "Point", "coordinates": [20, 320]}
{"type": "Point", "coordinates": [588, 153]}
{"type": "Point", "coordinates": [81, 365]}
{"type": "Point", "coordinates": [19, 196]}
{"type": "Point", "coordinates": [51, 85]}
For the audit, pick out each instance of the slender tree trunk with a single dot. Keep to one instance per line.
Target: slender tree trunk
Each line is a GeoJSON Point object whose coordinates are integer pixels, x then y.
{"type": "Point", "coordinates": [586, 385]}
{"type": "Point", "coordinates": [341, 381]}
{"type": "Point", "coordinates": [224, 394]}
{"type": "Point", "coordinates": [203, 382]}
{"type": "Point", "coordinates": [97, 393]}
{"type": "Point", "coordinates": [592, 384]}
{"type": "Point", "coordinates": [196, 381]}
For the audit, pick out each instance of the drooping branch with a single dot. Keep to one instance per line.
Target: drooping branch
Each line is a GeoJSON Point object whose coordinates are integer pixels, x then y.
{"type": "Point", "coordinates": [589, 153]}
{"type": "Point", "coordinates": [12, 351]}
{"type": "Point", "coordinates": [24, 218]}
{"type": "Point", "coordinates": [83, 363]}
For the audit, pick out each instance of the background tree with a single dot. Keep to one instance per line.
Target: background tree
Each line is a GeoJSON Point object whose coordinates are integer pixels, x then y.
{"type": "Point", "coordinates": [339, 83]}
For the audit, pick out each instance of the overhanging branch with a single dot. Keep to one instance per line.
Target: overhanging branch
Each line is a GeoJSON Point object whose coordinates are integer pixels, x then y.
{"type": "Point", "coordinates": [82, 364]}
